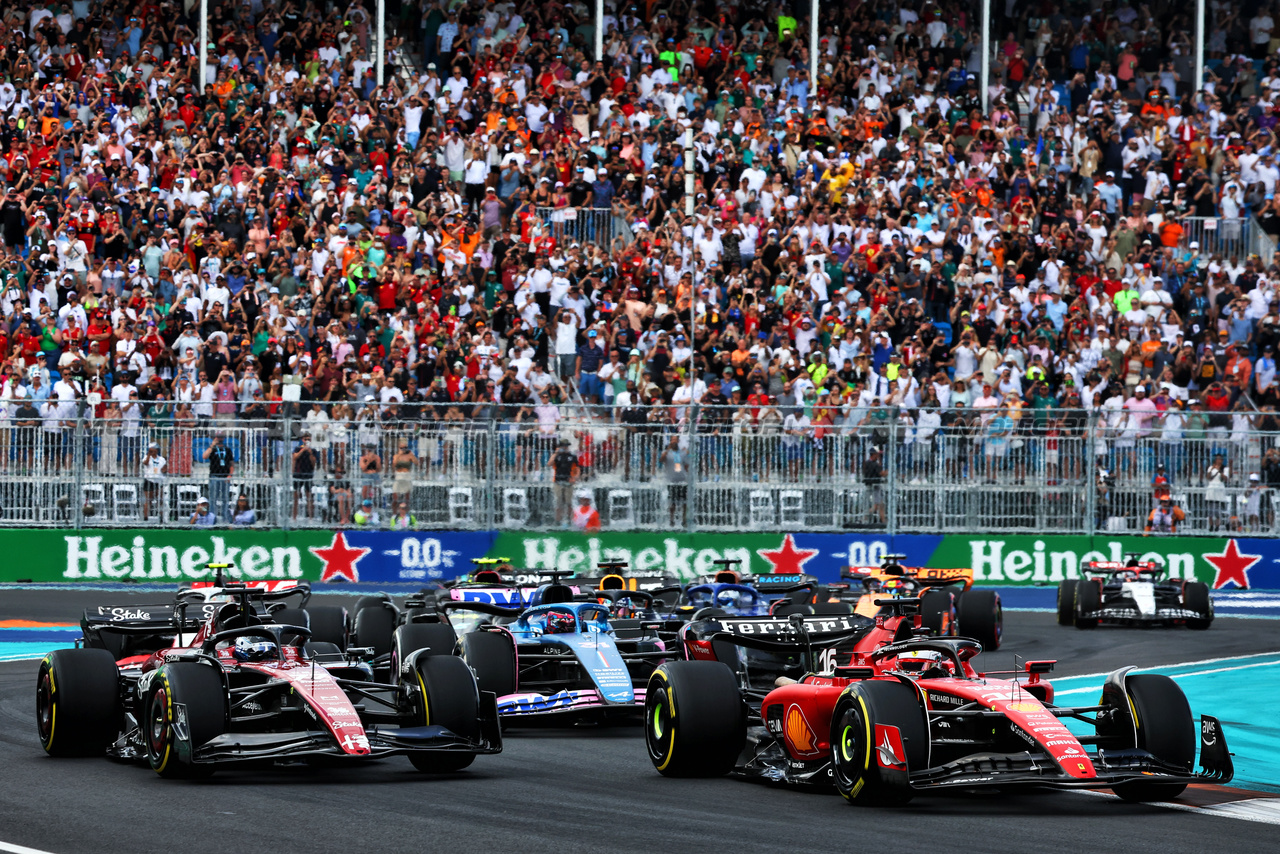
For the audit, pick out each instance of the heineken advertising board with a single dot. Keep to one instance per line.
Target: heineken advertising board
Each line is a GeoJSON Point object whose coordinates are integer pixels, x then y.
{"type": "Point", "coordinates": [97, 556]}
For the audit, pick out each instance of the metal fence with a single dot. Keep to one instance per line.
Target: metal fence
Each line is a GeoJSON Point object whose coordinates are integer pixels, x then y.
{"type": "Point", "coordinates": [1237, 237]}
{"type": "Point", "coordinates": [469, 466]}
{"type": "Point", "coordinates": [584, 225]}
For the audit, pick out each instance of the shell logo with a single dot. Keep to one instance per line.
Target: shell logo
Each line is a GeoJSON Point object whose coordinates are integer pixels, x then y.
{"type": "Point", "coordinates": [1024, 707]}
{"type": "Point", "coordinates": [799, 734]}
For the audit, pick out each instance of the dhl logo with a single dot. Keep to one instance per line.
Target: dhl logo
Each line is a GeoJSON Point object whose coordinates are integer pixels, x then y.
{"type": "Point", "coordinates": [799, 734]}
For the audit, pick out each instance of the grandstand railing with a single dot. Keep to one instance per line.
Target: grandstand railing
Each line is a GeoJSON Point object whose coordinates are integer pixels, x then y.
{"type": "Point", "coordinates": [1238, 237]}
{"type": "Point", "coordinates": [660, 468]}
{"type": "Point", "coordinates": [584, 225]}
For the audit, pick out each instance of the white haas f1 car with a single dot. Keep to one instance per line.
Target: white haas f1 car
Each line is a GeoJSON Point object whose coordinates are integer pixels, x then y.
{"type": "Point", "coordinates": [242, 682]}
{"type": "Point", "coordinates": [1132, 593]}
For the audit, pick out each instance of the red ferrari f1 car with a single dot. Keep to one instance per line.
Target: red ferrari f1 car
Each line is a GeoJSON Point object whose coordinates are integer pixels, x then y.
{"type": "Point", "coordinates": [913, 716]}
{"type": "Point", "coordinates": [243, 682]}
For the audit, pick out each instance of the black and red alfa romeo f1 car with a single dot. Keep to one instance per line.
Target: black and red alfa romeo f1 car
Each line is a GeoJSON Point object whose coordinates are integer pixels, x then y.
{"type": "Point", "coordinates": [242, 682]}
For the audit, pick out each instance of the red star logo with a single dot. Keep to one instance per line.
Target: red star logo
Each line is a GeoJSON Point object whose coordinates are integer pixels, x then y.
{"type": "Point", "coordinates": [787, 558]}
{"type": "Point", "coordinates": [339, 559]}
{"type": "Point", "coordinates": [1232, 566]}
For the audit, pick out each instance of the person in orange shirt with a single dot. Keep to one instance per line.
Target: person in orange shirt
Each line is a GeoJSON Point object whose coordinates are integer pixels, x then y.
{"type": "Point", "coordinates": [1170, 232]}
{"type": "Point", "coordinates": [463, 239]}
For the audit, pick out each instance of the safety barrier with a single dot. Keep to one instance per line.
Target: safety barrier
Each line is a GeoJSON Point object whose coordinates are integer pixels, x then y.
{"type": "Point", "coordinates": [582, 225]}
{"type": "Point", "coordinates": [480, 466]}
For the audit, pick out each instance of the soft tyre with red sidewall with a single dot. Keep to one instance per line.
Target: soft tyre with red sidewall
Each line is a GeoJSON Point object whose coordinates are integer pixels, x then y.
{"type": "Point", "coordinates": [199, 689]}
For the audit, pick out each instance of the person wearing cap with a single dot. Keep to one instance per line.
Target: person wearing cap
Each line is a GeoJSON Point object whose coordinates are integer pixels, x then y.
{"type": "Point", "coordinates": [367, 516]}
{"type": "Point", "coordinates": [585, 515]}
{"type": "Point", "coordinates": [154, 468]}
{"type": "Point", "coordinates": [202, 517]}
{"type": "Point", "coordinates": [1164, 518]}
{"type": "Point", "coordinates": [565, 472]}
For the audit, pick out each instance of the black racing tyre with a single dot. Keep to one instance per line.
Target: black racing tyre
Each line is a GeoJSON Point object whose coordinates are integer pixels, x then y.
{"type": "Point", "coordinates": [1165, 729]}
{"type": "Point", "coordinates": [78, 702]}
{"type": "Point", "coordinates": [694, 719]}
{"type": "Point", "coordinates": [197, 687]}
{"type": "Point", "coordinates": [707, 613]}
{"type": "Point", "coordinates": [492, 656]}
{"type": "Point", "coordinates": [374, 627]}
{"type": "Point", "coordinates": [938, 612]}
{"type": "Point", "coordinates": [981, 617]}
{"type": "Point", "coordinates": [866, 764]}
{"type": "Point", "coordinates": [435, 638]}
{"type": "Point", "coordinates": [291, 617]}
{"type": "Point", "coordinates": [316, 648]}
{"type": "Point", "coordinates": [368, 602]}
{"type": "Point", "coordinates": [448, 698]}
{"type": "Point", "coordinates": [1088, 599]}
{"type": "Point", "coordinates": [329, 624]}
{"type": "Point", "coordinates": [1067, 602]}
{"type": "Point", "coordinates": [1195, 597]}
{"type": "Point", "coordinates": [831, 609]}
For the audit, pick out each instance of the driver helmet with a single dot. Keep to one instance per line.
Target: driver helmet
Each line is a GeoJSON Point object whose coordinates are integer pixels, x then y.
{"type": "Point", "coordinates": [249, 649]}
{"type": "Point", "coordinates": [560, 622]}
{"type": "Point", "coordinates": [920, 660]}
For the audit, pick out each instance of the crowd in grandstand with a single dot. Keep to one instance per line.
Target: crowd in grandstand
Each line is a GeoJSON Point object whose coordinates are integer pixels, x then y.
{"type": "Point", "coordinates": [501, 228]}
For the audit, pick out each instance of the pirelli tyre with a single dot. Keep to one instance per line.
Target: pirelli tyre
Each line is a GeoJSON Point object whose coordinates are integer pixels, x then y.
{"type": "Point", "coordinates": [185, 706]}
{"type": "Point", "coordinates": [1088, 600]}
{"type": "Point", "coordinates": [375, 627]}
{"type": "Point", "coordinates": [447, 697]}
{"type": "Point", "coordinates": [78, 709]}
{"type": "Point", "coordinates": [1067, 602]}
{"type": "Point", "coordinates": [435, 638]}
{"type": "Point", "coordinates": [329, 624]}
{"type": "Point", "coordinates": [1195, 597]}
{"type": "Point", "coordinates": [938, 612]}
{"type": "Point", "coordinates": [1165, 729]}
{"type": "Point", "coordinates": [878, 737]}
{"type": "Point", "coordinates": [981, 617]}
{"type": "Point", "coordinates": [694, 719]}
{"type": "Point", "coordinates": [492, 656]}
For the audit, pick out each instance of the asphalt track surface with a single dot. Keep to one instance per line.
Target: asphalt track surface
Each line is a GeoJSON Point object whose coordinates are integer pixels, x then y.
{"type": "Point", "coordinates": [577, 790]}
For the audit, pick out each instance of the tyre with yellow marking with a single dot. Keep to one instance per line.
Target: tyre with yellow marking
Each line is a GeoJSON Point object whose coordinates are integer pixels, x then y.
{"type": "Point", "coordinates": [879, 735]}
{"type": "Point", "coordinates": [1165, 728]}
{"type": "Point", "coordinates": [694, 719]}
{"type": "Point", "coordinates": [78, 709]}
{"type": "Point", "coordinates": [186, 706]}
{"type": "Point", "coordinates": [447, 697]}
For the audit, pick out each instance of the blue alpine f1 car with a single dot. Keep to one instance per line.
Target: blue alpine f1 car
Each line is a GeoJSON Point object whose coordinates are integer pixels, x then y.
{"type": "Point", "coordinates": [560, 659]}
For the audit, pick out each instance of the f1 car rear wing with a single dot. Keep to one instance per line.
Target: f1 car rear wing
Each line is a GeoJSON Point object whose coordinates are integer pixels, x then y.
{"type": "Point", "coordinates": [1110, 567]}
{"type": "Point", "coordinates": [927, 576]}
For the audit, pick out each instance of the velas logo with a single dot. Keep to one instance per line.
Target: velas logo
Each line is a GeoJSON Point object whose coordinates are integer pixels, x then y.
{"type": "Point", "coordinates": [339, 559]}
{"type": "Point", "coordinates": [1232, 566]}
{"type": "Point", "coordinates": [787, 558]}
{"type": "Point", "coordinates": [135, 558]}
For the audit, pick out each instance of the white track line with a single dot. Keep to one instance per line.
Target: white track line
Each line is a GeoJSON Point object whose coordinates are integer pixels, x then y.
{"type": "Point", "coordinates": [20, 849]}
{"type": "Point", "coordinates": [1262, 810]}
{"type": "Point", "coordinates": [1180, 664]}
{"type": "Point", "coordinates": [1174, 676]}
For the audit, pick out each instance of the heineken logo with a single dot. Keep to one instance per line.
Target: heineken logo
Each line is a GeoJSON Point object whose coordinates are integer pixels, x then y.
{"type": "Point", "coordinates": [96, 557]}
